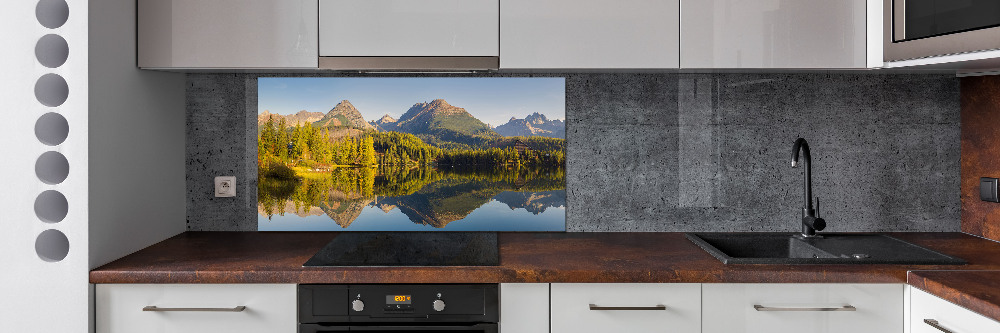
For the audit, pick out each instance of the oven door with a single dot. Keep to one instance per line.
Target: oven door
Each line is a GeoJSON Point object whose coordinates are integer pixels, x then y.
{"type": "Point", "coordinates": [926, 28]}
{"type": "Point", "coordinates": [472, 328]}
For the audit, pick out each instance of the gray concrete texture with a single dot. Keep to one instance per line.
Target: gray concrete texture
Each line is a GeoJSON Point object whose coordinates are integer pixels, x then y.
{"type": "Point", "coordinates": [682, 152]}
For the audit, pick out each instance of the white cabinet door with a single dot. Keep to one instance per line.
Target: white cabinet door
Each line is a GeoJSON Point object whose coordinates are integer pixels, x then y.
{"type": "Point", "coordinates": [774, 34]}
{"type": "Point", "coordinates": [524, 308]}
{"type": "Point", "coordinates": [409, 28]}
{"type": "Point", "coordinates": [794, 308]}
{"type": "Point", "coordinates": [589, 34]}
{"type": "Point", "coordinates": [269, 308]}
{"type": "Point", "coordinates": [951, 317]}
{"type": "Point", "coordinates": [626, 307]}
{"type": "Point", "coordinates": [227, 34]}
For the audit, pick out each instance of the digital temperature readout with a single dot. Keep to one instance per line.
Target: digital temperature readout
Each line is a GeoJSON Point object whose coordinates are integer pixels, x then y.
{"type": "Point", "coordinates": [397, 299]}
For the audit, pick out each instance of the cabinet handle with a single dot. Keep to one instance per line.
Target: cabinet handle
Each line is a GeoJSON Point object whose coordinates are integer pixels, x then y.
{"type": "Point", "coordinates": [759, 307]}
{"type": "Point", "coordinates": [233, 309]}
{"type": "Point", "coordinates": [629, 308]}
{"type": "Point", "coordinates": [935, 324]}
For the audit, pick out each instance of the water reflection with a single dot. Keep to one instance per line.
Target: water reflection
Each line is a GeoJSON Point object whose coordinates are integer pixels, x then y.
{"type": "Point", "coordinates": [372, 198]}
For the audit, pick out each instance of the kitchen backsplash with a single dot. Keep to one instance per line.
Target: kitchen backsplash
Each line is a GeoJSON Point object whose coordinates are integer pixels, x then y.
{"type": "Point", "coordinates": [681, 152]}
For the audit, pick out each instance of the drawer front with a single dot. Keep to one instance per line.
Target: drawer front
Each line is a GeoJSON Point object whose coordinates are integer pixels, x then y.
{"type": "Point", "coordinates": [730, 308]}
{"type": "Point", "coordinates": [269, 308]}
{"type": "Point", "coordinates": [949, 316]}
{"type": "Point", "coordinates": [672, 308]}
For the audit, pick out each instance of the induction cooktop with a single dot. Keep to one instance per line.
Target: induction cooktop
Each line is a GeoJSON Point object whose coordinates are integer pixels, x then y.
{"type": "Point", "coordinates": [409, 249]}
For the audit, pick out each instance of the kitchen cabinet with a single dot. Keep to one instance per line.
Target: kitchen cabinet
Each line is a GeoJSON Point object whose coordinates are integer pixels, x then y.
{"type": "Point", "coordinates": [802, 308]}
{"type": "Point", "coordinates": [524, 307]}
{"type": "Point", "coordinates": [221, 34]}
{"type": "Point", "coordinates": [409, 28]}
{"type": "Point", "coordinates": [927, 310]}
{"type": "Point", "coordinates": [196, 308]}
{"type": "Point", "coordinates": [780, 34]}
{"type": "Point", "coordinates": [589, 34]}
{"type": "Point", "coordinates": [626, 307]}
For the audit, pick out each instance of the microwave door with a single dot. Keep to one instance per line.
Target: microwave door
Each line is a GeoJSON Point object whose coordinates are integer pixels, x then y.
{"type": "Point", "coordinates": [916, 19]}
{"type": "Point", "coordinates": [914, 29]}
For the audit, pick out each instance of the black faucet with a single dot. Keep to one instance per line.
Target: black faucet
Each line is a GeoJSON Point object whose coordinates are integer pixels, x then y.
{"type": "Point", "coordinates": [810, 222]}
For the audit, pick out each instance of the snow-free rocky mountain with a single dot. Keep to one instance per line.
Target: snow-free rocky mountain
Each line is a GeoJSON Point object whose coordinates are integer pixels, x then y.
{"type": "Point", "coordinates": [385, 124]}
{"type": "Point", "coordinates": [439, 116]}
{"type": "Point", "coordinates": [303, 117]}
{"type": "Point", "coordinates": [436, 118]}
{"type": "Point", "coordinates": [533, 124]}
{"type": "Point", "coordinates": [344, 114]}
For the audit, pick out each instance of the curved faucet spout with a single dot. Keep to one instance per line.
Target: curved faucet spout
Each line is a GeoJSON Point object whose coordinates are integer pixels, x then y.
{"type": "Point", "coordinates": [810, 222]}
{"type": "Point", "coordinates": [803, 146]}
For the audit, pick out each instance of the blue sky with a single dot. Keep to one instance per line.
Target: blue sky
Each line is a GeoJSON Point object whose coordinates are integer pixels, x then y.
{"type": "Point", "coordinates": [492, 100]}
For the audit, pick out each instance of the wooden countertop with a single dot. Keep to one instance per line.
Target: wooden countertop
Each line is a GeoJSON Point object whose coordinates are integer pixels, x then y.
{"type": "Point", "coordinates": [277, 257]}
{"type": "Point", "coordinates": [978, 291]}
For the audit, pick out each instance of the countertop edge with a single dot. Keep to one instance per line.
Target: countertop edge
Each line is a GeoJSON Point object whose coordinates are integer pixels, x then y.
{"type": "Point", "coordinates": [936, 283]}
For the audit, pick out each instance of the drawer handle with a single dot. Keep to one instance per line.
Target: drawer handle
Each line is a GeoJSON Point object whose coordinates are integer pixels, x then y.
{"type": "Point", "coordinates": [937, 325]}
{"type": "Point", "coordinates": [628, 308]}
{"type": "Point", "coordinates": [759, 307]}
{"type": "Point", "coordinates": [234, 309]}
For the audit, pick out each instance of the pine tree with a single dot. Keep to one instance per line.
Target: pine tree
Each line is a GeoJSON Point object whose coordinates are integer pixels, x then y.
{"type": "Point", "coordinates": [281, 143]}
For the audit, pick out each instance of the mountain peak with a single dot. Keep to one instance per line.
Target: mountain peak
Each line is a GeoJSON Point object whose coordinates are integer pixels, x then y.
{"type": "Point", "coordinates": [386, 119]}
{"type": "Point", "coordinates": [303, 116]}
{"type": "Point", "coordinates": [535, 124]}
{"type": "Point", "coordinates": [343, 105]}
{"type": "Point", "coordinates": [344, 114]}
{"type": "Point", "coordinates": [386, 123]}
{"type": "Point", "coordinates": [536, 118]}
{"type": "Point", "coordinates": [438, 115]}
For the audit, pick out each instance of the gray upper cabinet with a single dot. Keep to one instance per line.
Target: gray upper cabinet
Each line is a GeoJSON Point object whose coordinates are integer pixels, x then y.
{"type": "Point", "coordinates": [779, 34]}
{"type": "Point", "coordinates": [409, 28]}
{"type": "Point", "coordinates": [584, 34]}
{"type": "Point", "coordinates": [409, 34]}
{"type": "Point", "coordinates": [221, 34]}
{"type": "Point", "coordinates": [509, 34]}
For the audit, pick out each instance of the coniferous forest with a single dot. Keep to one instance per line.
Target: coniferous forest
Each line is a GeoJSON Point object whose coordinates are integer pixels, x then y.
{"type": "Point", "coordinates": [281, 147]}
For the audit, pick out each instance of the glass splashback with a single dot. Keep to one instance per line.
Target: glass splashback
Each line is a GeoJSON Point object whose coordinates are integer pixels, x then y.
{"type": "Point", "coordinates": [411, 154]}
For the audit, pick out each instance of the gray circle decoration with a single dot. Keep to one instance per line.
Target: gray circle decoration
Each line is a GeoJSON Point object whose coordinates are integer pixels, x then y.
{"type": "Point", "coordinates": [52, 13]}
{"type": "Point", "coordinates": [51, 90]}
{"type": "Point", "coordinates": [51, 51]}
{"type": "Point", "coordinates": [52, 245]}
{"type": "Point", "coordinates": [51, 129]}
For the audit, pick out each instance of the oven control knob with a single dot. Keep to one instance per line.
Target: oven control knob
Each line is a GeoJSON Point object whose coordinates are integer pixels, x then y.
{"type": "Point", "coordinates": [438, 305]}
{"type": "Point", "coordinates": [358, 305]}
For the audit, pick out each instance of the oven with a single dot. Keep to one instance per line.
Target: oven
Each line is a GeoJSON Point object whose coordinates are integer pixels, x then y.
{"type": "Point", "coordinates": [388, 308]}
{"type": "Point", "coordinates": [927, 28]}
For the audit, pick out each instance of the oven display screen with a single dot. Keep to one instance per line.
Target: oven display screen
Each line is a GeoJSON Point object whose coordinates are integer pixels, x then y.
{"type": "Point", "coordinates": [397, 299]}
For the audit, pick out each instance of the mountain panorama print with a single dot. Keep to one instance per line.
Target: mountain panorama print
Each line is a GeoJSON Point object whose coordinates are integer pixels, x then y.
{"type": "Point", "coordinates": [411, 154]}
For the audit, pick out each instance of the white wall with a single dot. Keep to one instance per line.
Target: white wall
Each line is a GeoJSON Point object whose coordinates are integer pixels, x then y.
{"type": "Point", "coordinates": [37, 295]}
{"type": "Point", "coordinates": [125, 127]}
{"type": "Point", "coordinates": [137, 186]}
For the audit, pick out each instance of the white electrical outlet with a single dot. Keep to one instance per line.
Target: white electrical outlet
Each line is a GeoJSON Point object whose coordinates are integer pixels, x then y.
{"type": "Point", "coordinates": [225, 186]}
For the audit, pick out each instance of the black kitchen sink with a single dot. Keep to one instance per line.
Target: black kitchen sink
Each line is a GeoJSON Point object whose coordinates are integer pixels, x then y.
{"type": "Point", "coordinates": [791, 249]}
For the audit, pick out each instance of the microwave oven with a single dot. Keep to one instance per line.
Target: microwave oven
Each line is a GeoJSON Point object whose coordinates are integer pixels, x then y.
{"type": "Point", "coordinates": [915, 29]}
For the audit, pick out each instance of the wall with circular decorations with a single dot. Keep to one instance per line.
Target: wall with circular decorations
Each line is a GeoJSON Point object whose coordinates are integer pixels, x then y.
{"type": "Point", "coordinates": [52, 129]}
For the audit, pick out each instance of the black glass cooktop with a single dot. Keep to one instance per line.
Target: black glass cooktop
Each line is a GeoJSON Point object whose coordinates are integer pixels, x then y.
{"type": "Point", "coordinates": [409, 249]}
